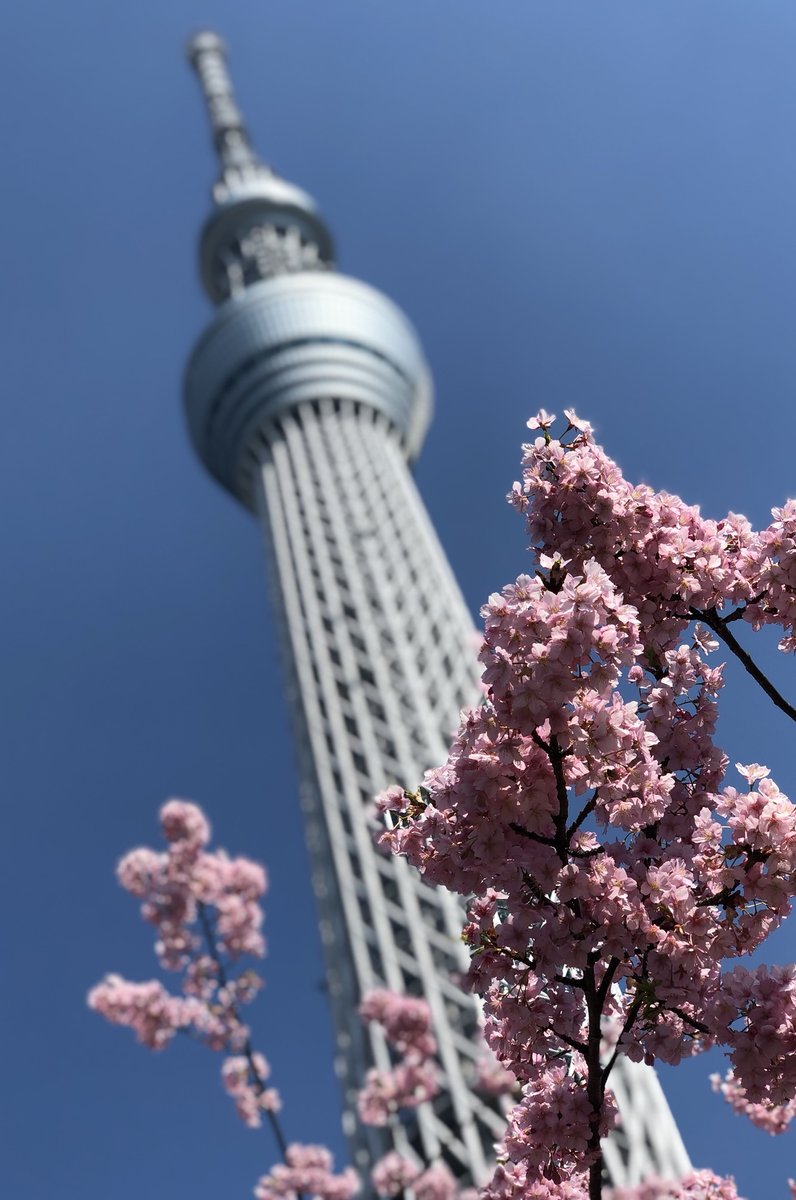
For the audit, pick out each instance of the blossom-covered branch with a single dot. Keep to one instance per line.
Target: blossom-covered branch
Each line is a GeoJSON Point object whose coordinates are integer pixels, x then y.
{"type": "Point", "coordinates": [206, 910]}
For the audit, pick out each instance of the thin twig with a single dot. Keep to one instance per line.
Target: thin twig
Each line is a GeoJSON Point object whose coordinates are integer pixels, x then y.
{"type": "Point", "coordinates": [248, 1049]}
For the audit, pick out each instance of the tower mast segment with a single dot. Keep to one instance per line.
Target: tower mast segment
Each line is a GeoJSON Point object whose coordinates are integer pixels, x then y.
{"type": "Point", "coordinates": [306, 397]}
{"type": "Point", "coordinates": [207, 54]}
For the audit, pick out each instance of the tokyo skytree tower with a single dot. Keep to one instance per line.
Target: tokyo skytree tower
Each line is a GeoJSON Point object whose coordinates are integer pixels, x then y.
{"type": "Point", "coordinates": [307, 396]}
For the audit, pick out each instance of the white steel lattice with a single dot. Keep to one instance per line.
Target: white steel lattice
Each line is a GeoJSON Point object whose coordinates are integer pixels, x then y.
{"type": "Point", "coordinates": [382, 659]}
{"type": "Point", "coordinates": [648, 1141]}
{"type": "Point", "coordinates": [305, 397]}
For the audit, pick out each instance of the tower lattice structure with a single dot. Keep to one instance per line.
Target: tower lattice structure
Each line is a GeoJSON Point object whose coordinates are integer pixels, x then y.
{"type": "Point", "coordinates": [307, 397]}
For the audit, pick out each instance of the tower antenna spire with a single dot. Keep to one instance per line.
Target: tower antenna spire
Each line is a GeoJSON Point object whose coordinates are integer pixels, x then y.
{"type": "Point", "coordinates": [261, 226]}
{"type": "Point", "coordinates": [207, 54]}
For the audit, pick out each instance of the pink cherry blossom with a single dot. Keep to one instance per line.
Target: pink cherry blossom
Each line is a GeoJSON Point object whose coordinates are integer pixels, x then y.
{"type": "Point", "coordinates": [244, 1080]}
{"type": "Point", "coordinates": [773, 1118]}
{"type": "Point", "coordinates": [392, 1173]}
{"type": "Point", "coordinates": [147, 1008]}
{"type": "Point", "coordinates": [436, 1183]}
{"type": "Point", "coordinates": [493, 1079]}
{"type": "Point", "coordinates": [307, 1171]}
{"type": "Point", "coordinates": [184, 822]}
{"type": "Point", "coordinates": [542, 420]}
{"type": "Point", "coordinates": [406, 1023]}
{"type": "Point", "coordinates": [698, 1185]}
{"type": "Point", "coordinates": [205, 907]}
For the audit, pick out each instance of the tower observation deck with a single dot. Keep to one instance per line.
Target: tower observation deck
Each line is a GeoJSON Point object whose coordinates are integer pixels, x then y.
{"type": "Point", "coordinates": [307, 397]}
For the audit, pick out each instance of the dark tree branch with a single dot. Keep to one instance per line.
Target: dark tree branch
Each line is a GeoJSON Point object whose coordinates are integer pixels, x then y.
{"type": "Point", "coordinates": [630, 1019]}
{"type": "Point", "coordinates": [607, 980]}
{"type": "Point", "coordinates": [692, 1021]}
{"type": "Point", "coordinates": [739, 613]}
{"type": "Point", "coordinates": [534, 837]}
{"type": "Point", "coordinates": [556, 757]}
{"type": "Point", "coordinates": [719, 627]}
{"type": "Point", "coordinates": [571, 981]}
{"type": "Point", "coordinates": [595, 1088]}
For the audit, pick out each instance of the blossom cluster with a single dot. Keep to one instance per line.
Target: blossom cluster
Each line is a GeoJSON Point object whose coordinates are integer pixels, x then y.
{"type": "Point", "coordinates": [773, 1118]}
{"type": "Point", "coordinates": [493, 1079]}
{"type": "Point", "coordinates": [512, 1183]}
{"type": "Point", "coordinates": [699, 1185]}
{"type": "Point", "coordinates": [205, 907]}
{"type": "Point", "coordinates": [584, 808]}
{"type": "Point", "coordinates": [243, 1077]}
{"type": "Point", "coordinates": [406, 1024]}
{"type": "Point", "coordinates": [175, 883]}
{"type": "Point", "coordinates": [394, 1173]}
{"type": "Point", "coordinates": [664, 557]}
{"type": "Point", "coordinates": [306, 1171]}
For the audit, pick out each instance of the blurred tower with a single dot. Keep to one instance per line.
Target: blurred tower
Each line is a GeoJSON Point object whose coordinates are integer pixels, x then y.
{"type": "Point", "coordinates": [307, 396]}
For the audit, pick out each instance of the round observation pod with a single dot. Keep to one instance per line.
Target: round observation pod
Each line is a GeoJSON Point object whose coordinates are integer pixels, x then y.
{"type": "Point", "coordinates": [291, 340]}
{"type": "Point", "coordinates": [257, 202]}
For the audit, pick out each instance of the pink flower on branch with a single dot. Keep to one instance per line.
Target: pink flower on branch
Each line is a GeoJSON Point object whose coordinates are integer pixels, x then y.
{"type": "Point", "coordinates": [493, 1079]}
{"type": "Point", "coordinates": [387, 1091]}
{"type": "Point", "coordinates": [244, 1080]}
{"type": "Point", "coordinates": [436, 1183]}
{"type": "Point", "coordinates": [147, 1008]}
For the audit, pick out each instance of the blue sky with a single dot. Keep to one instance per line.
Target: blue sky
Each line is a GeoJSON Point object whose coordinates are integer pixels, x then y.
{"type": "Point", "coordinates": [577, 204]}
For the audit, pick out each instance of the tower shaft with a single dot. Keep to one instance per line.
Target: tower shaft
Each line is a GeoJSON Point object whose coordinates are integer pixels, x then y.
{"type": "Point", "coordinates": [374, 629]}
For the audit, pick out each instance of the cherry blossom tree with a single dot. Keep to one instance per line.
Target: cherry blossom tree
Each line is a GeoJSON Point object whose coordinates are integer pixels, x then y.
{"type": "Point", "coordinates": [615, 875]}
{"type": "Point", "coordinates": [614, 872]}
